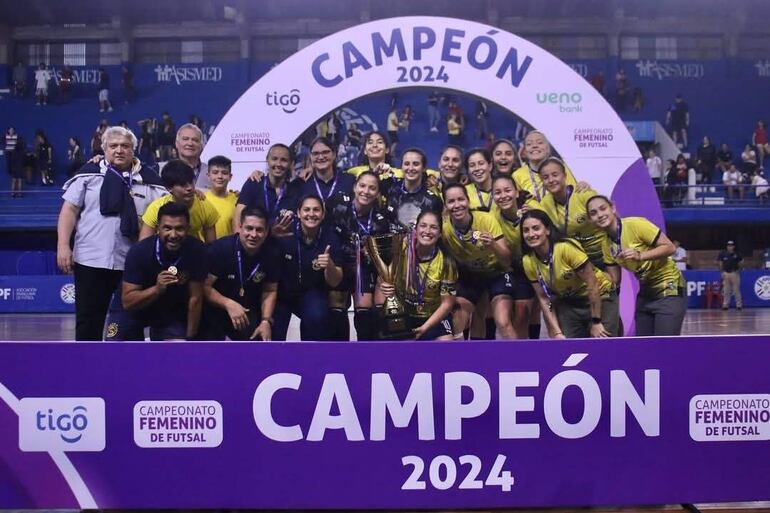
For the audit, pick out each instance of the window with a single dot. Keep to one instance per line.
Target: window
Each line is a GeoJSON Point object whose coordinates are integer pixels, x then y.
{"type": "Point", "coordinates": [572, 47]}
{"type": "Point", "coordinates": [671, 47]}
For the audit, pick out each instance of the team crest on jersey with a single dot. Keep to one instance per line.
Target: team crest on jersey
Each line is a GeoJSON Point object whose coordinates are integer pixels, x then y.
{"type": "Point", "coordinates": [258, 277]}
{"type": "Point", "coordinates": [112, 330]}
{"type": "Point", "coordinates": [568, 275]}
{"type": "Point", "coordinates": [582, 218]}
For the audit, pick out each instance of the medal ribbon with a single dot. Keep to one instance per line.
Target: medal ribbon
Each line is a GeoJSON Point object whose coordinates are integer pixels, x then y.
{"type": "Point", "coordinates": [484, 207]}
{"type": "Point", "coordinates": [421, 280]}
{"type": "Point", "coordinates": [159, 259]}
{"type": "Point", "coordinates": [566, 208]}
{"type": "Point", "coordinates": [532, 175]}
{"type": "Point", "coordinates": [313, 246]}
{"type": "Point", "coordinates": [461, 236]}
{"type": "Point", "coordinates": [239, 257]}
{"type": "Point", "coordinates": [366, 231]}
{"type": "Point", "coordinates": [331, 191]}
{"type": "Point", "coordinates": [615, 252]}
{"type": "Point", "coordinates": [278, 195]}
{"type": "Point", "coordinates": [548, 290]}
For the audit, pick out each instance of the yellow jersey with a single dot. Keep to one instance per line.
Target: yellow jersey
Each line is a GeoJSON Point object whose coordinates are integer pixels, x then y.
{"type": "Point", "coordinates": [393, 172]}
{"type": "Point", "coordinates": [478, 199]}
{"type": "Point", "coordinates": [575, 224]}
{"type": "Point", "coordinates": [467, 249]}
{"type": "Point", "coordinates": [527, 179]}
{"type": "Point", "coordinates": [567, 259]}
{"type": "Point", "coordinates": [657, 278]}
{"type": "Point", "coordinates": [226, 209]}
{"type": "Point", "coordinates": [202, 215]}
{"type": "Point", "coordinates": [435, 277]}
{"type": "Point", "coordinates": [511, 232]}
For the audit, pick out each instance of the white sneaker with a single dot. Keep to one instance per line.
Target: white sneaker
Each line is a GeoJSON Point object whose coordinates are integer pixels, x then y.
{"type": "Point", "coordinates": [434, 129]}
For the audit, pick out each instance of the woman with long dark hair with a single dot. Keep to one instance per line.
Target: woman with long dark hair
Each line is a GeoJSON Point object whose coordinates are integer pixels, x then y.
{"type": "Point", "coordinates": [577, 299]}
{"type": "Point", "coordinates": [426, 281]}
{"type": "Point", "coordinates": [636, 244]}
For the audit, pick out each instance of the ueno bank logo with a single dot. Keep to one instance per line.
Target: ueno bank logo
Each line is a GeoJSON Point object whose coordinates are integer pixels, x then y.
{"type": "Point", "coordinates": [288, 102]}
{"type": "Point", "coordinates": [567, 102]}
{"type": "Point", "coordinates": [61, 424]}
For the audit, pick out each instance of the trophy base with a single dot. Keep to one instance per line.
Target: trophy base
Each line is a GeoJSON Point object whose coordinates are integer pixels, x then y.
{"type": "Point", "coordinates": [394, 327]}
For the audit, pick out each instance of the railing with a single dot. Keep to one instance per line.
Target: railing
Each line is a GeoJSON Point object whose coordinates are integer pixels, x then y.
{"type": "Point", "coordinates": [713, 195]}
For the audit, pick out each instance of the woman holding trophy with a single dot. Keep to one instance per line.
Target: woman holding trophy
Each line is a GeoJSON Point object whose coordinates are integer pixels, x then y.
{"type": "Point", "coordinates": [425, 281]}
{"type": "Point", "coordinates": [355, 220]}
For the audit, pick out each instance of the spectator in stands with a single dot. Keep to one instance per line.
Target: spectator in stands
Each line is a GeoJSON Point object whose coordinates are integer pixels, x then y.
{"type": "Point", "coordinates": [676, 180]}
{"type": "Point", "coordinates": [66, 77]}
{"type": "Point", "coordinates": [334, 128]}
{"type": "Point", "coordinates": [749, 160]}
{"type": "Point", "coordinates": [760, 140]}
{"type": "Point", "coordinates": [197, 121]}
{"type": "Point", "coordinates": [166, 138]}
{"type": "Point", "coordinates": [724, 157]}
{"type": "Point", "coordinates": [19, 80]}
{"type": "Point", "coordinates": [622, 88]}
{"type": "Point", "coordinates": [392, 124]}
{"type": "Point", "coordinates": [128, 84]}
{"type": "Point", "coordinates": [598, 82]}
{"type": "Point", "coordinates": [730, 266]}
{"type": "Point", "coordinates": [75, 157]}
{"type": "Point", "coordinates": [104, 91]}
{"type": "Point", "coordinates": [406, 117]}
{"type": "Point", "coordinates": [654, 167]}
{"type": "Point", "coordinates": [434, 116]}
{"type": "Point", "coordinates": [102, 205]}
{"type": "Point", "coordinates": [147, 147]}
{"type": "Point", "coordinates": [678, 118]}
{"type": "Point", "coordinates": [760, 184]}
{"type": "Point", "coordinates": [637, 99]}
{"type": "Point", "coordinates": [732, 179]}
{"type": "Point", "coordinates": [706, 160]}
{"type": "Point", "coordinates": [679, 256]}
{"type": "Point", "coordinates": [482, 120]}
{"type": "Point", "coordinates": [13, 146]}
{"type": "Point", "coordinates": [42, 77]}
{"type": "Point", "coordinates": [96, 144]}
{"type": "Point", "coordinates": [354, 137]}
{"type": "Point", "coordinates": [44, 157]}
{"type": "Point", "coordinates": [454, 130]}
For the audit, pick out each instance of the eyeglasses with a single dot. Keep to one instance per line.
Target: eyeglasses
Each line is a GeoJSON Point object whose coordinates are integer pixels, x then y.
{"type": "Point", "coordinates": [322, 153]}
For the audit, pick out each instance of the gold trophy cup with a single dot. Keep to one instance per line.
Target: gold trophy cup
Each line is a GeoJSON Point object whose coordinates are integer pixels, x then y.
{"type": "Point", "coordinates": [386, 253]}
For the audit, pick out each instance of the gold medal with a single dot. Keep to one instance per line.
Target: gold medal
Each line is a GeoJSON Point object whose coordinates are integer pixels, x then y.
{"type": "Point", "coordinates": [476, 235]}
{"type": "Point", "coordinates": [173, 270]}
{"type": "Point", "coordinates": [316, 265]}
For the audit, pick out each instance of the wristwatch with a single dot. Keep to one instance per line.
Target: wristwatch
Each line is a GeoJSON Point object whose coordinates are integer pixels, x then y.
{"type": "Point", "coordinates": [596, 320]}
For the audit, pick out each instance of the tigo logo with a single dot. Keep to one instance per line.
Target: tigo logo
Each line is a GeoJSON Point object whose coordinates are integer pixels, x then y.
{"type": "Point", "coordinates": [62, 424]}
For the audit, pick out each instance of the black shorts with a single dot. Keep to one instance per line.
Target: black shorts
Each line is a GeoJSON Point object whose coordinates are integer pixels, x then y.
{"type": "Point", "coordinates": [393, 136]}
{"type": "Point", "coordinates": [522, 288]}
{"type": "Point", "coordinates": [471, 285]}
{"type": "Point", "coordinates": [368, 278]}
{"type": "Point", "coordinates": [441, 329]}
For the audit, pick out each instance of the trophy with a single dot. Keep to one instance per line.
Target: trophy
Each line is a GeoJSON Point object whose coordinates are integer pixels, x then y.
{"type": "Point", "coordinates": [386, 253]}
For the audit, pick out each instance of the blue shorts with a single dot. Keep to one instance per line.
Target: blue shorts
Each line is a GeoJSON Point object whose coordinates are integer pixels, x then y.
{"type": "Point", "coordinates": [441, 329]}
{"type": "Point", "coordinates": [368, 278]}
{"type": "Point", "coordinates": [127, 326]}
{"type": "Point", "coordinates": [471, 285]}
{"type": "Point", "coordinates": [522, 288]}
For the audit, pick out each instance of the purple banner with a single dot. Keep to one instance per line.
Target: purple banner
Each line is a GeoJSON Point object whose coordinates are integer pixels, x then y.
{"type": "Point", "coordinates": [384, 425]}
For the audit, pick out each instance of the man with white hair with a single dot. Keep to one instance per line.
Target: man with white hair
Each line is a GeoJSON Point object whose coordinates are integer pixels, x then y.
{"type": "Point", "coordinates": [189, 146]}
{"type": "Point", "coordinates": [102, 206]}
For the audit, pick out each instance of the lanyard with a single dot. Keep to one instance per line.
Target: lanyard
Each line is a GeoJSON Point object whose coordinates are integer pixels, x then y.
{"type": "Point", "coordinates": [548, 290]}
{"type": "Point", "coordinates": [421, 280]}
{"type": "Point", "coordinates": [613, 250]}
{"type": "Point", "coordinates": [461, 236]}
{"type": "Point", "coordinates": [481, 200]}
{"type": "Point", "coordinates": [313, 246]}
{"type": "Point", "coordinates": [160, 260]}
{"type": "Point", "coordinates": [127, 178]}
{"type": "Point", "coordinates": [566, 208]}
{"type": "Point", "coordinates": [532, 175]}
{"type": "Point", "coordinates": [239, 257]}
{"type": "Point", "coordinates": [278, 195]}
{"type": "Point", "coordinates": [331, 191]}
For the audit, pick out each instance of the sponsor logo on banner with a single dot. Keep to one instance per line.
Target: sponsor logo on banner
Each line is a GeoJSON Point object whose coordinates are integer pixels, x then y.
{"type": "Point", "coordinates": [763, 68]}
{"type": "Point", "coordinates": [177, 424]}
{"type": "Point", "coordinates": [25, 293]}
{"type": "Point", "coordinates": [568, 102]}
{"type": "Point", "coordinates": [593, 137]}
{"type": "Point", "coordinates": [580, 69]}
{"type": "Point", "coordinates": [250, 142]}
{"type": "Point", "coordinates": [287, 101]}
{"type": "Point", "coordinates": [79, 76]}
{"type": "Point", "coordinates": [762, 288]}
{"type": "Point", "coordinates": [6, 294]}
{"type": "Point", "coordinates": [67, 293]}
{"type": "Point", "coordinates": [421, 55]}
{"type": "Point", "coordinates": [667, 70]}
{"type": "Point", "coordinates": [172, 73]}
{"type": "Point", "coordinates": [730, 417]}
{"type": "Point", "coordinates": [62, 424]}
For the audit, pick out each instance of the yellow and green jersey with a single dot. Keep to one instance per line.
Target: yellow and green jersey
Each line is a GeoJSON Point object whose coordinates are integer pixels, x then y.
{"type": "Point", "coordinates": [657, 278]}
{"type": "Point", "coordinates": [565, 282]}
{"type": "Point", "coordinates": [572, 220]}
{"type": "Point", "coordinates": [434, 277]}
{"type": "Point", "coordinates": [466, 248]}
{"type": "Point", "coordinates": [527, 179]}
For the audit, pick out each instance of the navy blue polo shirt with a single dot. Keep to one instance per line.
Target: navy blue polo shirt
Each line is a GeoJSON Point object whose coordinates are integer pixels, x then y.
{"type": "Point", "coordinates": [261, 194]}
{"type": "Point", "coordinates": [255, 270]}
{"type": "Point", "coordinates": [144, 263]}
{"type": "Point", "coordinates": [328, 190]}
{"type": "Point", "coordinates": [296, 257]}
